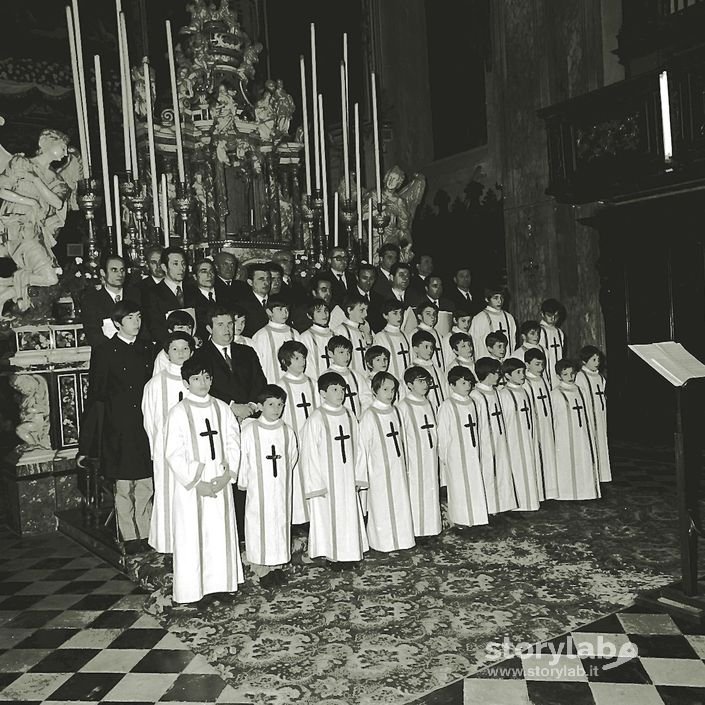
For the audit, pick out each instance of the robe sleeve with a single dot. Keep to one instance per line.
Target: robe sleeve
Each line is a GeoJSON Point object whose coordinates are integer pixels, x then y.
{"type": "Point", "coordinates": [364, 392]}
{"type": "Point", "coordinates": [151, 412]}
{"type": "Point", "coordinates": [365, 452]}
{"type": "Point", "coordinates": [445, 433]}
{"type": "Point", "coordinates": [312, 440]}
{"type": "Point", "coordinates": [246, 455]}
{"type": "Point", "coordinates": [187, 470]}
{"type": "Point", "coordinates": [293, 448]}
{"type": "Point", "coordinates": [232, 440]}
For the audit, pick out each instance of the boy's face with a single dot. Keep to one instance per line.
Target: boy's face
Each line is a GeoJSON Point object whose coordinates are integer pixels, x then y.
{"type": "Point", "coordinates": [238, 325]}
{"type": "Point", "coordinates": [425, 350]}
{"type": "Point", "coordinates": [464, 349]}
{"type": "Point", "coordinates": [321, 316]}
{"type": "Point", "coordinates": [278, 314]}
{"type": "Point", "coordinates": [567, 375]}
{"type": "Point", "coordinates": [419, 386]}
{"type": "Point", "coordinates": [178, 352]}
{"type": "Point", "coordinates": [496, 301]}
{"type": "Point", "coordinates": [358, 313]}
{"type": "Point", "coordinates": [593, 364]}
{"type": "Point", "coordinates": [129, 326]}
{"type": "Point", "coordinates": [518, 376]}
{"type": "Point", "coordinates": [550, 318]}
{"type": "Point", "coordinates": [498, 350]}
{"type": "Point", "coordinates": [492, 379]}
{"type": "Point", "coordinates": [199, 384]}
{"type": "Point", "coordinates": [379, 364]}
{"type": "Point", "coordinates": [463, 387]}
{"type": "Point", "coordinates": [532, 337]}
{"type": "Point", "coordinates": [536, 367]}
{"type": "Point", "coordinates": [463, 322]}
{"type": "Point", "coordinates": [297, 366]}
{"type": "Point", "coordinates": [429, 317]}
{"type": "Point", "coordinates": [334, 395]}
{"type": "Point", "coordinates": [386, 392]}
{"type": "Point", "coordinates": [394, 318]}
{"type": "Point", "coordinates": [272, 409]}
{"type": "Point", "coordinates": [341, 356]}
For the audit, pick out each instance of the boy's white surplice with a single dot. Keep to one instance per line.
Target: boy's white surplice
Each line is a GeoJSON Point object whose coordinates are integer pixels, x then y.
{"type": "Point", "coordinates": [206, 553]}
{"type": "Point", "coordinates": [358, 393]}
{"type": "Point", "coordinates": [315, 340]}
{"type": "Point", "coordinates": [356, 335]}
{"type": "Point", "coordinates": [593, 387]}
{"type": "Point", "coordinates": [267, 342]}
{"type": "Point", "coordinates": [544, 436]}
{"type": "Point", "coordinates": [398, 344]}
{"type": "Point", "coordinates": [553, 342]}
{"type": "Point", "coordinates": [492, 320]}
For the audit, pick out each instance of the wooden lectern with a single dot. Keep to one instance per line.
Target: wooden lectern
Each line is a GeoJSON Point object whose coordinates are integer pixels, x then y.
{"type": "Point", "coordinates": [687, 374]}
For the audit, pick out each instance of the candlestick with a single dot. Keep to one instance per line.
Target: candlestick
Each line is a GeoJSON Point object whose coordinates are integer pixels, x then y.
{"type": "Point", "coordinates": [336, 221]}
{"type": "Point", "coordinates": [88, 199]}
{"type": "Point", "coordinates": [324, 166]}
{"type": "Point", "coordinates": [375, 128]}
{"type": "Point", "coordinates": [176, 106]}
{"type": "Point", "coordinates": [118, 216]}
{"type": "Point", "coordinates": [344, 113]}
{"type": "Point", "coordinates": [107, 199]}
{"type": "Point", "coordinates": [82, 137]}
{"type": "Point", "coordinates": [304, 109]}
{"type": "Point", "coordinates": [128, 94]}
{"type": "Point", "coordinates": [358, 182]}
{"type": "Point", "coordinates": [369, 231]}
{"type": "Point", "coordinates": [123, 99]}
{"type": "Point", "coordinates": [81, 81]}
{"type": "Point", "coordinates": [314, 93]}
{"type": "Point", "coordinates": [150, 141]}
{"type": "Point", "coordinates": [165, 210]}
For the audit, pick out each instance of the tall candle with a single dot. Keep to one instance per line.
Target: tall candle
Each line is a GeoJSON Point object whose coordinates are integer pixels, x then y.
{"type": "Point", "coordinates": [346, 147]}
{"type": "Point", "coordinates": [150, 141]}
{"type": "Point", "coordinates": [82, 137]}
{"type": "Point", "coordinates": [324, 166]}
{"type": "Point", "coordinates": [123, 98]}
{"type": "Point", "coordinates": [369, 232]}
{"type": "Point", "coordinates": [175, 104]}
{"type": "Point", "coordinates": [128, 94]}
{"type": "Point", "coordinates": [82, 81]}
{"type": "Point", "coordinates": [358, 178]}
{"type": "Point", "coordinates": [375, 128]}
{"type": "Point", "coordinates": [165, 210]}
{"type": "Point", "coordinates": [118, 215]}
{"type": "Point", "coordinates": [103, 141]}
{"type": "Point", "coordinates": [314, 93]}
{"type": "Point", "coordinates": [304, 109]}
{"type": "Point", "coordinates": [336, 221]}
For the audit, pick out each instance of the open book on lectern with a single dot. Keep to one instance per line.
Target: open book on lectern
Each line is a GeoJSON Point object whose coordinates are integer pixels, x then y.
{"type": "Point", "coordinates": [671, 360]}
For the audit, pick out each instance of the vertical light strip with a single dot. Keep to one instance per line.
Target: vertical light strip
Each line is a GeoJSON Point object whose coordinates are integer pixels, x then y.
{"type": "Point", "coordinates": [665, 116]}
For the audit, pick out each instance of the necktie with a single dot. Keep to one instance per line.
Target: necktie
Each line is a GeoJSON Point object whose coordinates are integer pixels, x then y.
{"type": "Point", "coordinates": [210, 296]}
{"type": "Point", "coordinates": [228, 359]}
{"type": "Point", "coordinates": [264, 302]}
{"type": "Point", "coordinates": [180, 295]}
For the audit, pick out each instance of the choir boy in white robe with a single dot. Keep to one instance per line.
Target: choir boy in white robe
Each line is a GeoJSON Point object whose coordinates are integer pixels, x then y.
{"type": "Point", "coordinates": [269, 339]}
{"type": "Point", "coordinates": [592, 384]}
{"type": "Point", "coordinates": [529, 333]}
{"type": "Point", "coordinates": [423, 345]}
{"type": "Point", "coordinates": [328, 459]}
{"type": "Point", "coordinates": [316, 338]}
{"type": "Point", "coordinates": [358, 393]}
{"type": "Point", "coordinates": [575, 449]}
{"type": "Point", "coordinates": [459, 452]}
{"type": "Point", "coordinates": [393, 338]}
{"type": "Point", "coordinates": [461, 324]}
{"type": "Point", "coordinates": [496, 344]}
{"type": "Point", "coordinates": [161, 394]}
{"type": "Point", "coordinates": [203, 454]}
{"type": "Point", "coordinates": [421, 441]}
{"type": "Point", "coordinates": [544, 431]}
{"type": "Point", "coordinates": [552, 338]}
{"type": "Point", "coordinates": [376, 360]}
{"type": "Point", "coordinates": [382, 466]}
{"type": "Point", "coordinates": [492, 434]}
{"type": "Point", "coordinates": [519, 424]}
{"type": "Point", "coordinates": [493, 318]}
{"type": "Point", "coordinates": [356, 329]}
{"type": "Point", "coordinates": [302, 399]}
{"type": "Point", "coordinates": [239, 323]}
{"type": "Point", "coordinates": [268, 457]}
{"type": "Point", "coordinates": [178, 320]}
{"type": "Point", "coordinates": [426, 319]}
{"type": "Point", "coordinates": [463, 354]}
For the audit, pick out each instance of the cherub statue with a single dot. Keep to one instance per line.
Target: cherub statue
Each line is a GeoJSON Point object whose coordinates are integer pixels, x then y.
{"type": "Point", "coordinates": [265, 111]}
{"type": "Point", "coordinates": [283, 108]}
{"type": "Point", "coordinates": [225, 111]}
{"type": "Point", "coordinates": [34, 203]}
{"type": "Point", "coordinates": [33, 428]}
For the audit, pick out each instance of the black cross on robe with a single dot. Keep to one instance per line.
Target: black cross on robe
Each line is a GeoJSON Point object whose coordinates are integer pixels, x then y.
{"type": "Point", "coordinates": [210, 433]}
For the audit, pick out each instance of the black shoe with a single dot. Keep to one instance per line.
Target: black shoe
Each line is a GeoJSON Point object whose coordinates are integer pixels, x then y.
{"type": "Point", "coordinates": [280, 577]}
{"type": "Point", "coordinates": [268, 581]}
{"type": "Point", "coordinates": [132, 547]}
{"type": "Point", "coordinates": [143, 546]}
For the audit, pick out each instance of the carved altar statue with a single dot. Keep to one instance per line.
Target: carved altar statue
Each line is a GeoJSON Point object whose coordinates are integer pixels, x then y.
{"type": "Point", "coordinates": [33, 428]}
{"type": "Point", "coordinates": [35, 199]}
{"type": "Point", "coordinates": [283, 109]}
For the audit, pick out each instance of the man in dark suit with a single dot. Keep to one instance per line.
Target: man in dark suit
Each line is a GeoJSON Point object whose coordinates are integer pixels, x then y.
{"type": "Point", "coordinates": [201, 295]}
{"type": "Point", "coordinates": [388, 257]}
{"type": "Point", "coordinates": [153, 255]}
{"type": "Point", "coordinates": [433, 292]}
{"type": "Point", "coordinates": [255, 302]}
{"type": "Point", "coordinates": [341, 280]}
{"type": "Point", "coordinates": [463, 294]}
{"type": "Point", "coordinates": [364, 286]}
{"type": "Point", "coordinates": [168, 294]}
{"type": "Point", "coordinates": [401, 278]}
{"type": "Point", "coordinates": [291, 286]}
{"type": "Point", "coordinates": [228, 288]}
{"type": "Point", "coordinates": [423, 268]}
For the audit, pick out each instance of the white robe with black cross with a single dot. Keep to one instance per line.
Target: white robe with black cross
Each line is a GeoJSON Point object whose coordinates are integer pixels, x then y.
{"type": "Point", "coordinates": [575, 450]}
{"type": "Point", "coordinates": [268, 459]}
{"type": "Point", "coordinates": [301, 399]}
{"type": "Point", "coordinates": [358, 337]}
{"type": "Point", "coordinates": [358, 393]}
{"type": "Point", "coordinates": [438, 389]}
{"type": "Point", "coordinates": [459, 451]}
{"type": "Point", "coordinates": [397, 343]}
{"type": "Point", "coordinates": [494, 450]}
{"type": "Point", "coordinates": [491, 320]}
{"type": "Point", "coordinates": [439, 358]}
{"type": "Point", "coordinates": [328, 460]}
{"type": "Point", "coordinates": [421, 440]}
{"type": "Point", "coordinates": [267, 342]}
{"type": "Point", "coordinates": [544, 435]}
{"type": "Point", "coordinates": [382, 466]}
{"type": "Point", "coordinates": [318, 359]}
{"type": "Point", "coordinates": [593, 387]}
{"type": "Point", "coordinates": [202, 443]}
{"type": "Point", "coordinates": [521, 351]}
{"type": "Point", "coordinates": [161, 394]}
{"type": "Point", "coordinates": [519, 424]}
{"type": "Point", "coordinates": [553, 342]}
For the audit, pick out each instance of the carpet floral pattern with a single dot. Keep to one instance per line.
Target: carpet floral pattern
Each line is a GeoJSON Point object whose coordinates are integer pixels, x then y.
{"type": "Point", "coordinates": [399, 625]}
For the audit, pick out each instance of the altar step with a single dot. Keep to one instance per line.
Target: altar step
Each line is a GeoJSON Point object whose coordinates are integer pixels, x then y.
{"type": "Point", "coordinates": [93, 535]}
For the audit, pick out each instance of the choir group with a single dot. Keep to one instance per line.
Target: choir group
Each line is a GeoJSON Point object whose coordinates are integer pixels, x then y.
{"type": "Point", "coordinates": [348, 412]}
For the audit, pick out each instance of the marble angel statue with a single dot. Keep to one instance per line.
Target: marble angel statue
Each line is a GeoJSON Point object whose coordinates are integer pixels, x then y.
{"type": "Point", "coordinates": [34, 199]}
{"type": "Point", "coordinates": [33, 427]}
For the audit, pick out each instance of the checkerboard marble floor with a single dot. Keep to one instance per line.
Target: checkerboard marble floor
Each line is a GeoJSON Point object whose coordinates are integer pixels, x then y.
{"type": "Point", "coordinates": [72, 630]}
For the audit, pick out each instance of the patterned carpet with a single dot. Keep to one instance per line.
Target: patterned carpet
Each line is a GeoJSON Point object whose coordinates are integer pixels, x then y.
{"type": "Point", "coordinates": [397, 626]}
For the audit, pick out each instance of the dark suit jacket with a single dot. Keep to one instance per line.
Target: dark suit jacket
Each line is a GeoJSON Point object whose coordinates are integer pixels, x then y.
{"type": "Point", "coordinates": [418, 284]}
{"type": "Point", "coordinates": [245, 381]}
{"type": "Point", "coordinates": [231, 293]}
{"type": "Point", "coordinates": [411, 298]}
{"type": "Point", "coordinates": [382, 285]}
{"type": "Point", "coordinates": [444, 304]}
{"type": "Point", "coordinates": [160, 301]}
{"type": "Point", "coordinates": [96, 305]}
{"type": "Point", "coordinates": [340, 291]}
{"type": "Point", "coordinates": [374, 314]}
{"type": "Point", "coordinates": [459, 302]}
{"type": "Point", "coordinates": [256, 315]}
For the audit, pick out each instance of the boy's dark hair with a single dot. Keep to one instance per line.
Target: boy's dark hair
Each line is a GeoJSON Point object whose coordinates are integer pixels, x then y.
{"type": "Point", "coordinates": [316, 304]}
{"type": "Point", "coordinates": [286, 352]}
{"type": "Point", "coordinates": [390, 305]}
{"type": "Point", "coordinates": [527, 326]}
{"type": "Point", "coordinates": [461, 313]}
{"type": "Point", "coordinates": [123, 308]}
{"type": "Point", "coordinates": [457, 338]}
{"type": "Point", "coordinates": [178, 335]}
{"type": "Point", "coordinates": [534, 354]}
{"type": "Point", "coordinates": [375, 351]}
{"type": "Point", "coordinates": [195, 365]}
{"type": "Point", "coordinates": [277, 302]}
{"type": "Point", "coordinates": [422, 307]}
{"type": "Point", "coordinates": [329, 379]}
{"type": "Point", "coordinates": [588, 351]}
{"type": "Point", "coordinates": [566, 364]}
{"type": "Point", "coordinates": [172, 251]}
{"type": "Point", "coordinates": [399, 265]}
{"type": "Point", "coordinates": [490, 291]}
{"type": "Point", "coordinates": [237, 311]}
{"type": "Point", "coordinates": [352, 300]}
{"type": "Point", "coordinates": [271, 391]}
{"type": "Point", "coordinates": [382, 377]}
{"type": "Point", "coordinates": [108, 257]}
{"type": "Point", "coordinates": [417, 372]}
{"type": "Point", "coordinates": [512, 364]}
{"type": "Point", "coordinates": [274, 267]}
{"type": "Point", "coordinates": [495, 337]}
{"type": "Point", "coordinates": [422, 336]}
{"type": "Point", "coordinates": [320, 278]}
{"type": "Point", "coordinates": [552, 306]}
{"type": "Point", "coordinates": [485, 366]}
{"type": "Point", "coordinates": [338, 341]}
{"type": "Point", "coordinates": [429, 277]}
{"type": "Point", "coordinates": [217, 310]}
{"type": "Point", "coordinates": [179, 318]}
{"type": "Point", "coordinates": [254, 267]}
{"type": "Point", "coordinates": [460, 372]}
